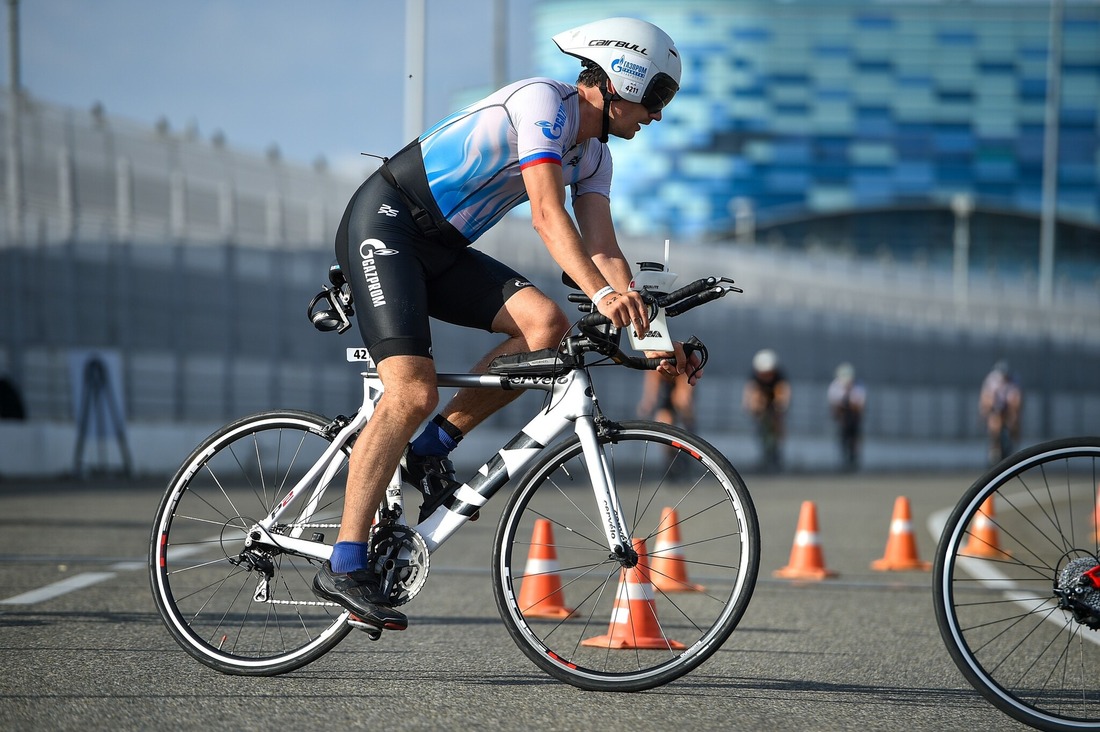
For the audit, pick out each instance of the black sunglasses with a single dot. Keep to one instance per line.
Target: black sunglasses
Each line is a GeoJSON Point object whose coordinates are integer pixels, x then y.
{"type": "Point", "coordinates": [660, 92]}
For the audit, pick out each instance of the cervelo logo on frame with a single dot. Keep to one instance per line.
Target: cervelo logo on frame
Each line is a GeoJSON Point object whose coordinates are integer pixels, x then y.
{"type": "Point", "coordinates": [368, 249]}
{"type": "Point", "coordinates": [554, 129]}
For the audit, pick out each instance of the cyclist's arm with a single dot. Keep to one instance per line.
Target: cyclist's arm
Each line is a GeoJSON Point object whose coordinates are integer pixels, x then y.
{"type": "Point", "coordinates": [782, 395]}
{"type": "Point", "coordinates": [546, 191]}
{"type": "Point", "coordinates": [593, 213]}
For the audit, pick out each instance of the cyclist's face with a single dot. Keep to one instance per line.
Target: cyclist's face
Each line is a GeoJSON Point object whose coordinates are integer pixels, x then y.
{"type": "Point", "coordinates": [628, 117]}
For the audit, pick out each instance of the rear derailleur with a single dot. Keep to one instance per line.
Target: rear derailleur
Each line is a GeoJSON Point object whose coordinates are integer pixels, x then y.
{"type": "Point", "coordinates": [1077, 587]}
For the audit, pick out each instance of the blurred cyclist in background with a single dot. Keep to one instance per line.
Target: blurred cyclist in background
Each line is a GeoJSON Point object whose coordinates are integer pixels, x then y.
{"type": "Point", "coordinates": [847, 399]}
{"type": "Point", "coordinates": [999, 404]}
{"type": "Point", "coordinates": [766, 396]}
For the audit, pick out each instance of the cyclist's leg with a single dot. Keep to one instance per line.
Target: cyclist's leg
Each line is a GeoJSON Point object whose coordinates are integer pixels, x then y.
{"type": "Point", "coordinates": [388, 264]}
{"type": "Point", "coordinates": [497, 299]}
{"type": "Point", "coordinates": [410, 396]}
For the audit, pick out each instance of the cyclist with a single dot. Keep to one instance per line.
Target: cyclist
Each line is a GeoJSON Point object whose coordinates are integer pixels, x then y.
{"type": "Point", "coordinates": [847, 399]}
{"type": "Point", "coordinates": [999, 404]}
{"type": "Point", "coordinates": [404, 244]}
{"type": "Point", "coordinates": [766, 396]}
{"type": "Point", "coordinates": [669, 401]}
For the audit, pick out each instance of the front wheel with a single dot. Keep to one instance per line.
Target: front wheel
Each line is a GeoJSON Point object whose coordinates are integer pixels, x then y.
{"type": "Point", "coordinates": [241, 610]}
{"type": "Point", "coordinates": [607, 623]}
{"type": "Point", "coordinates": [1017, 585]}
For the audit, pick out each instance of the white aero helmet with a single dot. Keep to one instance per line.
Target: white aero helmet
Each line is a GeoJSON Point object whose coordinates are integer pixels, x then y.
{"type": "Point", "coordinates": [765, 360]}
{"type": "Point", "coordinates": [638, 57]}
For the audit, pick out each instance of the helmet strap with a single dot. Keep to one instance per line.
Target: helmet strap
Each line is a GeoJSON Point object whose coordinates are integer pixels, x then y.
{"type": "Point", "coordinates": [608, 97]}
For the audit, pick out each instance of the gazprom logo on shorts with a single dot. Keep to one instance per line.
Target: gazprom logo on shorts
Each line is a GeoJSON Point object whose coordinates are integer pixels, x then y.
{"type": "Point", "coordinates": [629, 68]}
{"type": "Point", "coordinates": [368, 250]}
{"type": "Point", "coordinates": [554, 129]}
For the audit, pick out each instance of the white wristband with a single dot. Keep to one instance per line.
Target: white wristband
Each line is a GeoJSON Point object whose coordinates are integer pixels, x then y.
{"type": "Point", "coordinates": [602, 293]}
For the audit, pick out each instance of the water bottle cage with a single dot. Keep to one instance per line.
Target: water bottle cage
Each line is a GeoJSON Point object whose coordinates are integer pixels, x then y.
{"type": "Point", "coordinates": [337, 315]}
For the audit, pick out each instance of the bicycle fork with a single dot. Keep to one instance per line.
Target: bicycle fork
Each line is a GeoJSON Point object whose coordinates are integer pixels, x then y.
{"type": "Point", "coordinates": [607, 498]}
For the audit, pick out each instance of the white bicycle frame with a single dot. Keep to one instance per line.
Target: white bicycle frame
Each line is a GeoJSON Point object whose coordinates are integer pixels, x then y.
{"type": "Point", "coordinates": [570, 402]}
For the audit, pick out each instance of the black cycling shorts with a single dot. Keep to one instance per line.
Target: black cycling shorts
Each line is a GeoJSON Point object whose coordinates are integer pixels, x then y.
{"type": "Point", "coordinates": [400, 277]}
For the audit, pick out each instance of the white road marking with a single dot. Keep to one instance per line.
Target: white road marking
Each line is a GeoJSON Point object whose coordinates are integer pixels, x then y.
{"type": "Point", "coordinates": [70, 584]}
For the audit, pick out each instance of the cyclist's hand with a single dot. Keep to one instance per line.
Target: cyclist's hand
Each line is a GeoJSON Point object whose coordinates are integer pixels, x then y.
{"type": "Point", "coordinates": [677, 363]}
{"type": "Point", "coordinates": [625, 308]}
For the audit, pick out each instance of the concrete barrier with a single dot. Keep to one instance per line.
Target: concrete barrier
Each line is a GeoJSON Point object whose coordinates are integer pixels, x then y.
{"type": "Point", "coordinates": [46, 450]}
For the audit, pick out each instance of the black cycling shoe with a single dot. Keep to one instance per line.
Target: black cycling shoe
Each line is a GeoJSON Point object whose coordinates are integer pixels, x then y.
{"type": "Point", "coordinates": [358, 592]}
{"type": "Point", "coordinates": [433, 476]}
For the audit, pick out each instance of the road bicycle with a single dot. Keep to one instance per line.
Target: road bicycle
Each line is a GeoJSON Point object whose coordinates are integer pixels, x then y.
{"type": "Point", "coordinates": [596, 557]}
{"type": "Point", "coordinates": [1017, 585]}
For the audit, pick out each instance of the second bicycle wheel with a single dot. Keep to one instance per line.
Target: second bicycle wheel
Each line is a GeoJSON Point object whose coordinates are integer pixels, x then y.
{"type": "Point", "coordinates": [1017, 585]}
{"type": "Point", "coordinates": [589, 621]}
{"type": "Point", "coordinates": [248, 611]}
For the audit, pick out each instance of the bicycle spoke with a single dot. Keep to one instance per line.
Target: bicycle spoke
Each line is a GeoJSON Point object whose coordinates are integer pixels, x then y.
{"type": "Point", "coordinates": [626, 626]}
{"type": "Point", "coordinates": [239, 609]}
{"type": "Point", "coordinates": [1028, 646]}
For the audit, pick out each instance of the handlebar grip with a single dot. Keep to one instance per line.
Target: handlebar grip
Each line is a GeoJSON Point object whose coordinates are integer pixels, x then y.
{"type": "Point", "coordinates": [687, 290]}
{"type": "Point", "coordinates": [694, 301]}
{"type": "Point", "coordinates": [594, 320]}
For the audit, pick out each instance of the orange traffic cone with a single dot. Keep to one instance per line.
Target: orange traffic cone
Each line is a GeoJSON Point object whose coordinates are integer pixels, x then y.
{"type": "Point", "coordinates": [807, 560]}
{"type": "Point", "coordinates": [984, 540]}
{"type": "Point", "coordinates": [667, 568]}
{"type": "Point", "coordinates": [901, 546]}
{"type": "Point", "coordinates": [634, 621]}
{"type": "Point", "coordinates": [1096, 516]}
{"type": "Point", "coordinates": [541, 595]}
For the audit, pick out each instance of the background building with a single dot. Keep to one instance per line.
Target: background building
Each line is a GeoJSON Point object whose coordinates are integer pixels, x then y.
{"type": "Point", "coordinates": [865, 127]}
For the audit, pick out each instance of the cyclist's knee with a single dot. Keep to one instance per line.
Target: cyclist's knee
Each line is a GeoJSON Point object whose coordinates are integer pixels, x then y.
{"type": "Point", "coordinates": [411, 383]}
{"type": "Point", "coordinates": [545, 326]}
{"type": "Point", "coordinates": [533, 317]}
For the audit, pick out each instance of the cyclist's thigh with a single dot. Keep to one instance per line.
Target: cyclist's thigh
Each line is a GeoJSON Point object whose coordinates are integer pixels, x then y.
{"type": "Point", "coordinates": [383, 247]}
{"type": "Point", "coordinates": [473, 289]}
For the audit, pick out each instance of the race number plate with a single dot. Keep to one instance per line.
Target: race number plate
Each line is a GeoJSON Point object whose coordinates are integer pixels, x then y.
{"type": "Point", "coordinates": [359, 355]}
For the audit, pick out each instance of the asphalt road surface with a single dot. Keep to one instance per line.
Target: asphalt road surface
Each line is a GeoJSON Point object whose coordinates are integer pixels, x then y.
{"type": "Point", "coordinates": [83, 648]}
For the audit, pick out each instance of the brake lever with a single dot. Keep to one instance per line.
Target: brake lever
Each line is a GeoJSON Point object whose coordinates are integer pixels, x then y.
{"type": "Point", "coordinates": [694, 345]}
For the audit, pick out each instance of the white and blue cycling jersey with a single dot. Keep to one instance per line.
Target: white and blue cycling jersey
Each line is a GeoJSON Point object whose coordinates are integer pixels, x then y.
{"type": "Point", "coordinates": [474, 158]}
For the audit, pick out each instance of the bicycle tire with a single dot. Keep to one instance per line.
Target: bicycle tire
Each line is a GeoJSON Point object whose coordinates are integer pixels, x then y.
{"type": "Point", "coordinates": [656, 467]}
{"type": "Point", "coordinates": [206, 595]}
{"type": "Point", "coordinates": [1007, 546]}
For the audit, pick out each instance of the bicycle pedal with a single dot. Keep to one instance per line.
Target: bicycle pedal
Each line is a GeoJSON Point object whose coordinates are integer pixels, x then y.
{"type": "Point", "coordinates": [373, 631]}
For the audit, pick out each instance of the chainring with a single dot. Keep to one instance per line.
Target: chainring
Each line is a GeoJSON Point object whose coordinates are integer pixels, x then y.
{"type": "Point", "coordinates": [399, 556]}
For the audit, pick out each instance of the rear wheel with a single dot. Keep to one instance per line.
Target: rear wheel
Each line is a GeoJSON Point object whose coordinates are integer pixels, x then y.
{"type": "Point", "coordinates": [601, 623]}
{"type": "Point", "coordinates": [1017, 585]}
{"type": "Point", "coordinates": [241, 610]}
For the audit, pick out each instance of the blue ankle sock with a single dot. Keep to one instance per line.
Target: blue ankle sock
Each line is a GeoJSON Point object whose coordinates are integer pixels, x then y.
{"type": "Point", "coordinates": [348, 556]}
{"type": "Point", "coordinates": [436, 439]}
